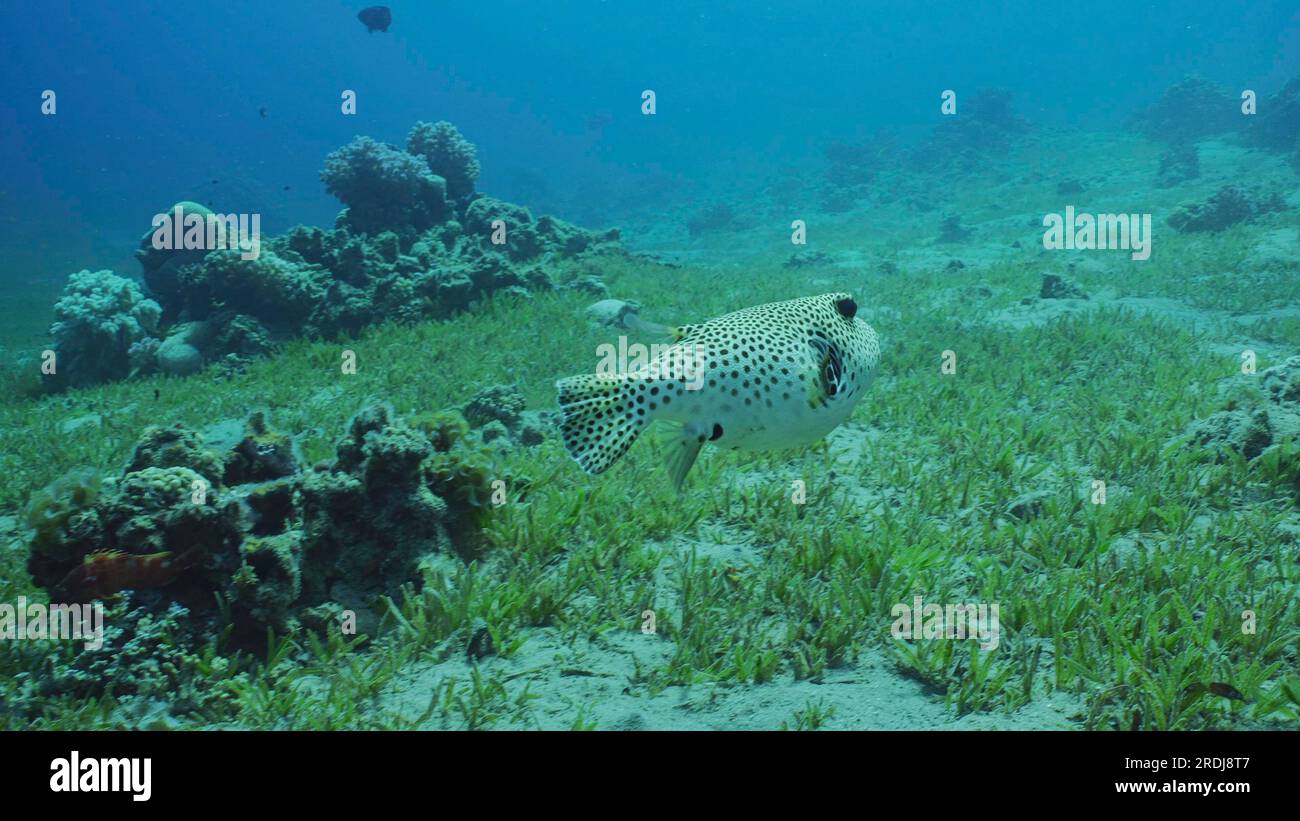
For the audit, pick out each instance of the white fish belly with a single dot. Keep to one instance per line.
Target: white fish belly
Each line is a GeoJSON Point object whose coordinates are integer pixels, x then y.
{"type": "Point", "coordinates": [756, 426]}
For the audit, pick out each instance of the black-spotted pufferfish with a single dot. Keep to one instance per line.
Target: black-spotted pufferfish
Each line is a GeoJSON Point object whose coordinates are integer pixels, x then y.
{"type": "Point", "coordinates": [772, 376]}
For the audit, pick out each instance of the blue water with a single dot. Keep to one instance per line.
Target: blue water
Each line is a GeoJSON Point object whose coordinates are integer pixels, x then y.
{"type": "Point", "coordinates": [802, 141]}
{"type": "Point", "coordinates": [160, 101]}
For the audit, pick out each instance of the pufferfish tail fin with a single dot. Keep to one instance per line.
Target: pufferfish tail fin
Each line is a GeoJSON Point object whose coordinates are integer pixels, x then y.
{"type": "Point", "coordinates": [597, 429]}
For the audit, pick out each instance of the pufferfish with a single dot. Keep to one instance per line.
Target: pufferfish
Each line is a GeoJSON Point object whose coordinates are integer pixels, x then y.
{"type": "Point", "coordinates": [767, 377]}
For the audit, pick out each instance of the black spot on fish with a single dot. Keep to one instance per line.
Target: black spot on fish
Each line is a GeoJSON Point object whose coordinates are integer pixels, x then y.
{"type": "Point", "coordinates": [847, 307]}
{"type": "Point", "coordinates": [717, 432]}
{"type": "Point", "coordinates": [376, 18]}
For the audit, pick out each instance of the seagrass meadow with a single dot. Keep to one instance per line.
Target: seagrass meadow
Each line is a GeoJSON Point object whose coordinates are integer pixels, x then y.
{"type": "Point", "coordinates": [332, 486]}
{"type": "Point", "coordinates": [970, 486]}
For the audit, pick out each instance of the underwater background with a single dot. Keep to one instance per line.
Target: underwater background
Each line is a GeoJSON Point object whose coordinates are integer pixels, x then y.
{"type": "Point", "coordinates": [327, 487]}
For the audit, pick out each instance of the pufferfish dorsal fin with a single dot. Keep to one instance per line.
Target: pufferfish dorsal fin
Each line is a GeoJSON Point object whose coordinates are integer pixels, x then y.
{"type": "Point", "coordinates": [656, 330]}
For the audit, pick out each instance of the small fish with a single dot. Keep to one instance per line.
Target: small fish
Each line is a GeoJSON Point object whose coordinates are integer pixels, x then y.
{"type": "Point", "coordinates": [598, 121]}
{"type": "Point", "coordinates": [375, 18]}
{"type": "Point", "coordinates": [105, 572]}
{"type": "Point", "coordinates": [262, 112]}
{"type": "Point", "coordinates": [768, 377]}
{"type": "Point", "coordinates": [286, 188]}
{"type": "Point", "coordinates": [1218, 688]}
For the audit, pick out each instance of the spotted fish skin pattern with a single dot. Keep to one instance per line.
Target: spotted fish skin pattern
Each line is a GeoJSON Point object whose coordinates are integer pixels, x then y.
{"type": "Point", "coordinates": [774, 376]}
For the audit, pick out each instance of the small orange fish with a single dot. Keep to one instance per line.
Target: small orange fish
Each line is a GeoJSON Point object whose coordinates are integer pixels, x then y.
{"type": "Point", "coordinates": [105, 572]}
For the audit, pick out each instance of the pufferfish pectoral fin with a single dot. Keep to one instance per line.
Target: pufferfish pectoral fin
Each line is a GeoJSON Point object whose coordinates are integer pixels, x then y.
{"type": "Point", "coordinates": [827, 379]}
{"type": "Point", "coordinates": [684, 443]}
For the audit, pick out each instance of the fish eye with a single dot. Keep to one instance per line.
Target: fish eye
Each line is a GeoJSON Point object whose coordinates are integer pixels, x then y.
{"type": "Point", "coordinates": [847, 307]}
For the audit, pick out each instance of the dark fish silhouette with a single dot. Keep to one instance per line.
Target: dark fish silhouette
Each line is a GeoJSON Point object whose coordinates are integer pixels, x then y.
{"type": "Point", "coordinates": [376, 18]}
{"type": "Point", "coordinates": [598, 121]}
{"type": "Point", "coordinates": [1218, 688]}
{"type": "Point", "coordinates": [262, 111]}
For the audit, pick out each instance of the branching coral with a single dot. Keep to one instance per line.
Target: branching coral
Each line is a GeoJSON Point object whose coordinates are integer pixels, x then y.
{"type": "Point", "coordinates": [385, 187]}
{"type": "Point", "coordinates": [500, 402]}
{"type": "Point", "coordinates": [97, 320]}
{"type": "Point", "coordinates": [175, 446]}
{"type": "Point", "coordinates": [448, 154]}
{"type": "Point", "coordinates": [146, 660]}
{"type": "Point", "coordinates": [276, 290]}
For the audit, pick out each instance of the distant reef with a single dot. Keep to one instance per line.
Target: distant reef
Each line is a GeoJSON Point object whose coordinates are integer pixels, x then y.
{"type": "Point", "coordinates": [982, 128]}
{"type": "Point", "coordinates": [1195, 109]}
{"type": "Point", "coordinates": [415, 241]}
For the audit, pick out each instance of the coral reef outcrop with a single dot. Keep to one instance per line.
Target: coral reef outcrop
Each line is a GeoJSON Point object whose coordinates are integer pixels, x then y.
{"type": "Point", "coordinates": [1189, 110]}
{"type": "Point", "coordinates": [984, 126]}
{"type": "Point", "coordinates": [1262, 420]}
{"type": "Point", "coordinates": [1276, 125]}
{"type": "Point", "coordinates": [447, 154]}
{"type": "Point", "coordinates": [384, 187]}
{"type": "Point", "coordinates": [415, 241]}
{"type": "Point", "coordinates": [1227, 206]}
{"type": "Point", "coordinates": [97, 321]}
{"type": "Point", "coordinates": [161, 266]}
{"type": "Point", "coordinates": [242, 536]}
